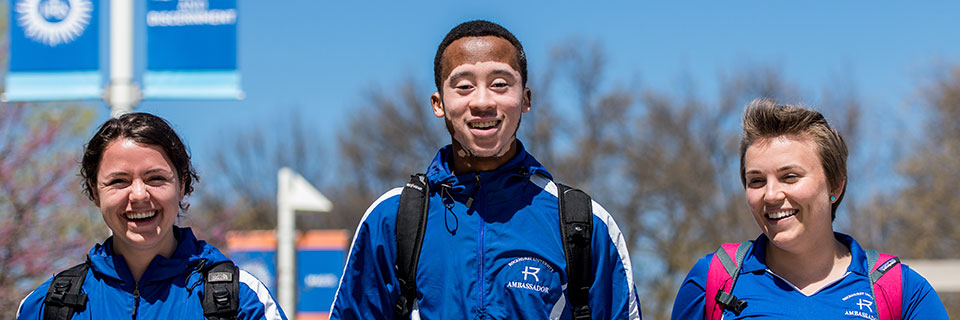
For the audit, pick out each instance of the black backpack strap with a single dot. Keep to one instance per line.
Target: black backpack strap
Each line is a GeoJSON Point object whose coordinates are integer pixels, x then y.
{"type": "Point", "coordinates": [63, 296]}
{"type": "Point", "coordinates": [576, 228]}
{"type": "Point", "coordinates": [220, 291]}
{"type": "Point", "coordinates": [411, 224]}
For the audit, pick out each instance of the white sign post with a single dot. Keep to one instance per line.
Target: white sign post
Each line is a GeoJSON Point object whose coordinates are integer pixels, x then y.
{"type": "Point", "coordinates": [294, 193]}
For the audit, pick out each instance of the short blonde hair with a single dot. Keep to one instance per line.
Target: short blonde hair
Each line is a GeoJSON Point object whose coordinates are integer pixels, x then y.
{"type": "Point", "coordinates": [766, 118]}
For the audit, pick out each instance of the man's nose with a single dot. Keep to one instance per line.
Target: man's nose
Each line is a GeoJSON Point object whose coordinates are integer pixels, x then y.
{"type": "Point", "coordinates": [483, 99]}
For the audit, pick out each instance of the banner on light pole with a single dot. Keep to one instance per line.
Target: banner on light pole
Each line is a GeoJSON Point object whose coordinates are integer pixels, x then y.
{"type": "Point", "coordinates": [191, 50]}
{"type": "Point", "coordinates": [54, 51]}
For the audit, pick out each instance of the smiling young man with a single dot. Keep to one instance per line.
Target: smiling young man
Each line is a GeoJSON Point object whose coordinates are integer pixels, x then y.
{"type": "Point", "coordinates": [491, 241]}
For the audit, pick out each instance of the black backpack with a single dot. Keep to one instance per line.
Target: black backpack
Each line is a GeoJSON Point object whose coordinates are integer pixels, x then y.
{"type": "Point", "coordinates": [220, 301]}
{"type": "Point", "coordinates": [576, 229]}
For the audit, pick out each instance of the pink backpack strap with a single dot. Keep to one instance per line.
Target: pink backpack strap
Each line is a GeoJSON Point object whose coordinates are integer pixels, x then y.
{"type": "Point", "coordinates": [886, 282]}
{"type": "Point", "coordinates": [721, 277]}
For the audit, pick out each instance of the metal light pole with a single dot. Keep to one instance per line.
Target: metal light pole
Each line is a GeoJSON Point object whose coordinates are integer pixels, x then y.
{"type": "Point", "coordinates": [121, 94]}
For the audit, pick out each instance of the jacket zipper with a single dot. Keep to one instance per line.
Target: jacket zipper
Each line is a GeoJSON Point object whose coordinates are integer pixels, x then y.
{"type": "Point", "coordinates": [480, 284]}
{"type": "Point", "coordinates": [136, 299]}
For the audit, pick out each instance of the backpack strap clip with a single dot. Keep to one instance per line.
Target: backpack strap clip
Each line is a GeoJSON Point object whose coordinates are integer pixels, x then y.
{"type": "Point", "coordinates": [60, 296]}
{"type": "Point", "coordinates": [731, 302]}
{"type": "Point", "coordinates": [581, 313]}
{"type": "Point", "coordinates": [63, 297]}
{"type": "Point", "coordinates": [722, 277]}
{"type": "Point", "coordinates": [220, 294]}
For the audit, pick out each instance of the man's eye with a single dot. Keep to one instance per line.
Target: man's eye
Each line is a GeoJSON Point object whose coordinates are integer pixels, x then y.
{"type": "Point", "coordinates": [464, 87]}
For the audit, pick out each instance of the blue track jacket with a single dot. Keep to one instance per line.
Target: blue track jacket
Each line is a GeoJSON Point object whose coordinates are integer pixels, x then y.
{"type": "Point", "coordinates": [169, 288]}
{"type": "Point", "coordinates": [769, 296]}
{"type": "Point", "coordinates": [501, 257]}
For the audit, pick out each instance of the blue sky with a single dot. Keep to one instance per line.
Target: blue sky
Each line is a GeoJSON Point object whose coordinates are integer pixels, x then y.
{"type": "Point", "coordinates": [318, 58]}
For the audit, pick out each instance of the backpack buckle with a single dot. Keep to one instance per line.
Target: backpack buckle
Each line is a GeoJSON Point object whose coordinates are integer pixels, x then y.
{"type": "Point", "coordinates": [581, 312]}
{"type": "Point", "coordinates": [60, 297]}
{"type": "Point", "coordinates": [60, 288]}
{"type": "Point", "coordinates": [221, 297]}
{"type": "Point", "coordinates": [578, 233]}
{"type": "Point", "coordinates": [738, 306]}
{"type": "Point", "coordinates": [730, 302]}
{"type": "Point", "coordinates": [401, 306]}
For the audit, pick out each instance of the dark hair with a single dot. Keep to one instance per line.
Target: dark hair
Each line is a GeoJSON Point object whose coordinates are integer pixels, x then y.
{"type": "Point", "coordinates": [765, 118]}
{"type": "Point", "coordinates": [479, 28]}
{"type": "Point", "coordinates": [142, 128]}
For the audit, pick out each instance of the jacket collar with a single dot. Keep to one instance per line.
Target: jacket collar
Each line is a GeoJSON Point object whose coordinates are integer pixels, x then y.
{"type": "Point", "coordinates": [189, 254]}
{"type": "Point", "coordinates": [756, 260]}
{"type": "Point", "coordinates": [496, 183]}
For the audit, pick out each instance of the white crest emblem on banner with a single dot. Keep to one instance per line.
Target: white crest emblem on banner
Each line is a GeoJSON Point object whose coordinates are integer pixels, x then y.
{"type": "Point", "coordinates": [53, 22]}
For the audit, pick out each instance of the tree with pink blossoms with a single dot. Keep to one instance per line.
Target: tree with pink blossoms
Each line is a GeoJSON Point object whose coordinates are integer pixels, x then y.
{"type": "Point", "coordinates": [47, 224]}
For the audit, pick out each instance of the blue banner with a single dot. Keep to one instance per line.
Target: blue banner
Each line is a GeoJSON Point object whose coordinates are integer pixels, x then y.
{"type": "Point", "coordinates": [319, 273]}
{"type": "Point", "coordinates": [191, 50]}
{"type": "Point", "coordinates": [320, 256]}
{"type": "Point", "coordinates": [54, 51]}
{"type": "Point", "coordinates": [260, 263]}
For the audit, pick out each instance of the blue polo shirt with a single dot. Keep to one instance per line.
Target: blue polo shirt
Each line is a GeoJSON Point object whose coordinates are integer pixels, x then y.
{"type": "Point", "coordinates": [769, 296]}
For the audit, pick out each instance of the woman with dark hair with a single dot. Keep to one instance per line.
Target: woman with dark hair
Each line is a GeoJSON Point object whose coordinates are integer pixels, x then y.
{"type": "Point", "coordinates": [136, 169]}
{"type": "Point", "coordinates": [793, 167]}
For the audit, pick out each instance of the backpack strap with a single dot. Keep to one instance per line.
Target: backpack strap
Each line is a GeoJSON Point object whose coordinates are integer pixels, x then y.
{"type": "Point", "coordinates": [576, 228]}
{"type": "Point", "coordinates": [722, 276]}
{"type": "Point", "coordinates": [221, 285]}
{"type": "Point", "coordinates": [411, 224]}
{"type": "Point", "coordinates": [63, 296]}
{"type": "Point", "coordinates": [886, 284]}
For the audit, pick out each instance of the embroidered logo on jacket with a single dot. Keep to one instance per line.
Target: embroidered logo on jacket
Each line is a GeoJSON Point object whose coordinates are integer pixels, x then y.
{"type": "Point", "coordinates": [529, 273]}
{"type": "Point", "coordinates": [860, 305]}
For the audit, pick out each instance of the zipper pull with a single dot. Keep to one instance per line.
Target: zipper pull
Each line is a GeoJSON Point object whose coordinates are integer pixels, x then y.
{"type": "Point", "coordinates": [476, 187]}
{"type": "Point", "coordinates": [136, 299]}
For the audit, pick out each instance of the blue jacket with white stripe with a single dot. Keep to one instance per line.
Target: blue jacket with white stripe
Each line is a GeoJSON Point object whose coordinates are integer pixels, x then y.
{"type": "Point", "coordinates": [170, 288]}
{"type": "Point", "coordinates": [491, 250]}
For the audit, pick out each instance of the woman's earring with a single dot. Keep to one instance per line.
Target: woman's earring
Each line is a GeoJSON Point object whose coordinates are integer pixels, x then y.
{"type": "Point", "coordinates": [833, 199]}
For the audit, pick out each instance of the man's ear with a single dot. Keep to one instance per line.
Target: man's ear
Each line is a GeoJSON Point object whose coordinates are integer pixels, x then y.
{"type": "Point", "coordinates": [527, 97]}
{"type": "Point", "coordinates": [437, 104]}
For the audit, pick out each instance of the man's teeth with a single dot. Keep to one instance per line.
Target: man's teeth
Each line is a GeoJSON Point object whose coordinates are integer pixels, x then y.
{"type": "Point", "coordinates": [782, 214]}
{"type": "Point", "coordinates": [141, 215]}
{"type": "Point", "coordinates": [483, 125]}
